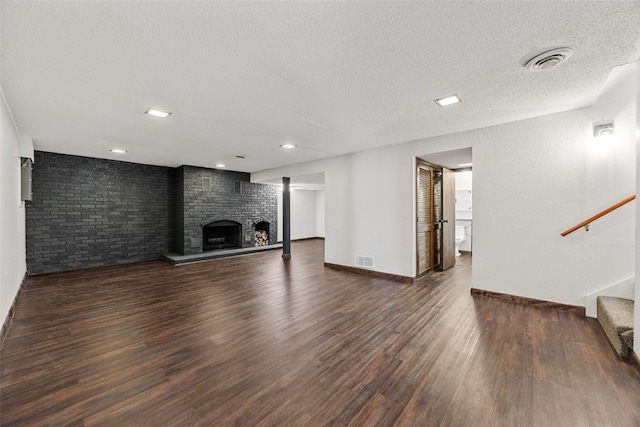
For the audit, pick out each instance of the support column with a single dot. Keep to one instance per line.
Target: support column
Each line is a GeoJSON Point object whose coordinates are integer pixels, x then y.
{"type": "Point", "coordinates": [286, 218]}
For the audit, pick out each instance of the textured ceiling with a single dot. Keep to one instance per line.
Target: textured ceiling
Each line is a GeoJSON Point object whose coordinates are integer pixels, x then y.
{"type": "Point", "coordinates": [331, 77]}
{"type": "Point", "coordinates": [451, 159]}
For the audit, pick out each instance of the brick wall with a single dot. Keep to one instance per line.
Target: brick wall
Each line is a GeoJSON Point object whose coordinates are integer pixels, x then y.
{"type": "Point", "coordinates": [224, 195]}
{"type": "Point", "coordinates": [90, 212]}
{"type": "Point", "coordinates": [179, 209]}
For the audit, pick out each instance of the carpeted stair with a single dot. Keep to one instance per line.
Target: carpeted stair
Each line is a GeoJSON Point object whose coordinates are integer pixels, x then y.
{"type": "Point", "coordinates": [616, 317]}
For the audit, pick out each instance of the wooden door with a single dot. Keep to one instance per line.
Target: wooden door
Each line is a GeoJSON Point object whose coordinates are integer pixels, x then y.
{"type": "Point", "coordinates": [448, 219]}
{"type": "Point", "coordinates": [424, 218]}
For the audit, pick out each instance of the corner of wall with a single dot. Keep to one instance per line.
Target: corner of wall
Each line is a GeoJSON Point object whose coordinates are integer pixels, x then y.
{"type": "Point", "coordinates": [12, 213]}
{"type": "Point", "coordinates": [636, 344]}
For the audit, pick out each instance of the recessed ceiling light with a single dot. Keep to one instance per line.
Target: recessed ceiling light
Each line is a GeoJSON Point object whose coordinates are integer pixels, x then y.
{"type": "Point", "coordinates": [118, 151]}
{"type": "Point", "coordinates": [242, 156]}
{"type": "Point", "coordinates": [288, 145]}
{"type": "Point", "coordinates": [157, 113]}
{"type": "Point", "coordinates": [221, 165]}
{"type": "Point", "coordinates": [465, 165]}
{"type": "Point", "coordinates": [448, 100]}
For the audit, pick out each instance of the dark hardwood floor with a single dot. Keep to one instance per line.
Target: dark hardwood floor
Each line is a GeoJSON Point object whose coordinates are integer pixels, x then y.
{"type": "Point", "coordinates": [255, 341]}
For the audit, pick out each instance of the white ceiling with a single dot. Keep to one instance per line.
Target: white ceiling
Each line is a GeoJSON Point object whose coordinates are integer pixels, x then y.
{"type": "Point", "coordinates": [331, 77]}
{"type": "Point", "coordinates": [450, 159]}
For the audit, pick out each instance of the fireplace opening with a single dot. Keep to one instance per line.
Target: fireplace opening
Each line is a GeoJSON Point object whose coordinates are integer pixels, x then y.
{"type": "Point", "coordinates": [221, 235]}
{"type": "Point", "coordinates": [262, 233]}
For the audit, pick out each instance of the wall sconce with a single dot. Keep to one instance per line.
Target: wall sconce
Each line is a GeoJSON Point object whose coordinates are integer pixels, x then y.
{"type": "Point", "coordinates": [603, 129]}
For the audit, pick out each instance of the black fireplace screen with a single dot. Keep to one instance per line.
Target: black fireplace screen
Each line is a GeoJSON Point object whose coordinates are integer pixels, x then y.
{"type": "Point", "coordinates": [221, 235]}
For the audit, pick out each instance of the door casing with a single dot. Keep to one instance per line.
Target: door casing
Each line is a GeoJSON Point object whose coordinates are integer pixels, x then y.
{"type": "Point", "coordinates": [427, 224]}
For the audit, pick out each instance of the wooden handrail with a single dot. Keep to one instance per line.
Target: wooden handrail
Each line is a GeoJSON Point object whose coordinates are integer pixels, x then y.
{"type": "Point", "coordinates": [586, 222]}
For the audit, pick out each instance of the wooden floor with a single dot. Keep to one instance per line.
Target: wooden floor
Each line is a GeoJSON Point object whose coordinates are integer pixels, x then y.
{"type": "Point", "coordinates": [256, 341]}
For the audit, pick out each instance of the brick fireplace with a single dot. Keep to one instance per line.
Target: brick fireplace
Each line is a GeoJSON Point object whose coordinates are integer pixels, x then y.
{"type": "Point", "coordinates": [89, 212]}
{"type": "Point", "coordinates": [262, 234]}
{"type": "Point", "coordinates": [228, 199]}
{"type": "Point", "coordinates": [221, 235]}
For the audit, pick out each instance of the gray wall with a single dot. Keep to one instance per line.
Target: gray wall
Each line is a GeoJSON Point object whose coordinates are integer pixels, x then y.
{"type": "Point", "coordinates": [90, 212]}
{"type": "Point", "coordinates": [231, 197]}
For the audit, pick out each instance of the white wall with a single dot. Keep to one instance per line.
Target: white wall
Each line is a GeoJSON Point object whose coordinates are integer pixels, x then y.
{"type": "Point", "coordinates": [369, 205]}
{"type": "Point", "coordinates": [12, 222]}
{"type": "Point", "coordinates": [636, 325]}
{"type": "Point", "coordinates": [303, 214]}
{"type": "Point", "coordinates": [532, 180]}
{"type": "Point", "coordinates": [320, 213]}
{"type": "Point", "coordinates": [520, 209]}
{"type": "Point", "coordinates": [305, 205]}
{"type": "Point", "coordinates": [464, 183]}
{"type": "Point", "coordinates": [464, 180]}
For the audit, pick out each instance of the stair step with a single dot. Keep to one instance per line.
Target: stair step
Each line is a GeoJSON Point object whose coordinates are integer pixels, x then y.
{"type": "Point", "coordinates": [616, 317]}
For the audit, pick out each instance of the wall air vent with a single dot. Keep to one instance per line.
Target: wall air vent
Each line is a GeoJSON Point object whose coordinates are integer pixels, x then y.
{"type": "Point", "coordinates": [604, 129]}
{"type": "Point", "coordinates": [549, 59]}
{"type": "Point", "coordinates": [206, 184]}
{"type": "Point", "coordinates": [364, 261]}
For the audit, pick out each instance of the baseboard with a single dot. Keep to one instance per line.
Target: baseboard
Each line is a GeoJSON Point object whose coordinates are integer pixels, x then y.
{"type": "Point", "coordinates": [307, 238]}
{"type": "Point", "coordinates": [372, 273]}
{"type": "Point", "coordinates": [635, 360]}
{"type": "Point", "coordinates": [574, 309]}
{"type": "Point", "coordinates": [9, 318]}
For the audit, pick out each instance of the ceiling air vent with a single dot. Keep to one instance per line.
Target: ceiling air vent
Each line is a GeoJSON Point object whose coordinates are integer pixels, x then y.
{"type": "Point", "coordinates": [549, 59]}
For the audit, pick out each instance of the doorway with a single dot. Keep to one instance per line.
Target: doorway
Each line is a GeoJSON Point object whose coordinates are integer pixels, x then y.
{"type": "Point", "coordinates": [435, 218]}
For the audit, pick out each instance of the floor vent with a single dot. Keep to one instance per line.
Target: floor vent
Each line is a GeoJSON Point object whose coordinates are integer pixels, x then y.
{"type": "Point", "coordinates": [364, 261]}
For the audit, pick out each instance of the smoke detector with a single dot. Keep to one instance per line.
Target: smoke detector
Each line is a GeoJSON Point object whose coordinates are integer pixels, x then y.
{"type": "Point", "coordinates": [549, 59]}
